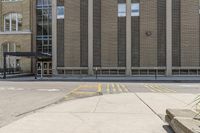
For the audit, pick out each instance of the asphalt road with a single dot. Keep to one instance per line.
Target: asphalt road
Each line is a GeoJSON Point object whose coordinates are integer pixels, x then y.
{"type": "Point", "coordinates": [18, 99]}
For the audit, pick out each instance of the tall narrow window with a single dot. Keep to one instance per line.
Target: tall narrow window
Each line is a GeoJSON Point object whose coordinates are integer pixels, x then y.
{"type": "Point", "coordinates": [135, 9]}
{"type": "Point", "coordinates": [44, 25]}
{"type": "Point", "coordinates": [60, 12]}
{"type": "Point", "coordinates": [12, 22]}
{"type": "Point", "coordinates": [7, 23]}
{"type": "Point", "coordinates": [121, 9]}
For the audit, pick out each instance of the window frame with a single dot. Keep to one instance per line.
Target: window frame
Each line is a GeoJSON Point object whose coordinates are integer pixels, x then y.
{"type": "Point", "coordinates": [9, 16]}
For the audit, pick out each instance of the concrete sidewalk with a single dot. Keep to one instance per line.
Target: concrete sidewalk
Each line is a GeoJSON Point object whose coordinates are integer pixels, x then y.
{"type": "Point", "coordinates": [120, 113]}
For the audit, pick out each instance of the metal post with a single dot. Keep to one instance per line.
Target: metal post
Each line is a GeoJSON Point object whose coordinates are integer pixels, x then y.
{"type": "Point", "coordinates": [35, 67]}
{"type": "Point", "coordinates": [4, 65]}
{"type": "Point", "coordinates": [41, 70]}
{"type": "Point", "coordinates": [96, 72]}
{"type": "Point", "coordinates": [155, 74]}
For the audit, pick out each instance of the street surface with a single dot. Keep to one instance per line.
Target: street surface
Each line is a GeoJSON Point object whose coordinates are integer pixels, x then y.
{"type": "Point", "coordinates": [20, 99]}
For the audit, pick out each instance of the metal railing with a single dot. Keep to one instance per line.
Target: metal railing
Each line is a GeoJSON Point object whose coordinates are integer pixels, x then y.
{"type": "Point", "coordinates": [10, 70]}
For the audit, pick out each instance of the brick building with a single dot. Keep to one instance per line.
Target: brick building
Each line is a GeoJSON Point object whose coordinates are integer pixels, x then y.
{"type": "Point", "coordinates": [112, 37]}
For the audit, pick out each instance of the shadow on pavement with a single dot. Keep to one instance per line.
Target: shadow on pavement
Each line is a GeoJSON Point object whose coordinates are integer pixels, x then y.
{"type": "Point", "coordinates": [168, 129]}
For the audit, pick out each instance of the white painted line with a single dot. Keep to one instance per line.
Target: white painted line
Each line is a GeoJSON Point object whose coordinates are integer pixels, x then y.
{"type": "Point", "coordinates": [49, 90]}
{"type": "Point", "coordinates": [1, 88]}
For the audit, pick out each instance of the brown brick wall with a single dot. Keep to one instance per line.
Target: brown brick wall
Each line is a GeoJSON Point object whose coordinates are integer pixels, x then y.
{"type": "Point", "coordinates": [148, 22]}
{"type": "Point", "coordinates": [24, 40]}
{"type": "Point", "coordinates": [22, 7]}
{"type": "Point", "coordinates": [189, 32]}
{"type": "Point", "coordinates": [25, 46]}
{"type": "Point", "coordinates": [72, 33]}
{"type": "Point", "coordinates": [109, 20]}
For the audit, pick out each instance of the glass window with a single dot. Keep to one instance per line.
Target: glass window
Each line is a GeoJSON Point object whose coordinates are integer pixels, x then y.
{"type": "Point", "coordinates": [121, 9]}
{"type": "Point", "coordinates": [60, 12]}
{"type": "Point", "coordinates": [135, 9]}
{"type": "Point", "coordinates": [44, 25]}
{"type": "Point", "coordinates": [7, 23]}
{"type": "Point", "coordinates": [19, 22]}
{"type": "Point", "coordinates": [13, 22]}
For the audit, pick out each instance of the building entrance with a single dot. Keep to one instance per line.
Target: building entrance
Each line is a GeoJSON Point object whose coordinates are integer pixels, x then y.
{"type": "Point", "coordinates": [44, 68]}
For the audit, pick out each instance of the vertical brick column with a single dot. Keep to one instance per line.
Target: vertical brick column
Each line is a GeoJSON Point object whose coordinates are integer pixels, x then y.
{"type": "Point", "coordinates": [109, 24]}
{"type": "Point", "coordinates": [128, 38]}
{"type": "Point", "coordinates": [90, 37]}
{"type": "Point", "coordinates": [169, 38]}
{"type": "Point", "coordinates": [54, 37]}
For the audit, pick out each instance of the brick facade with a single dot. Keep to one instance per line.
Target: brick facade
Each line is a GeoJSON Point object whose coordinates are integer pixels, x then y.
{"type": "Point", "coordinates": [23, 38]}
{"type": "Point", "coordinates": [148, 36]}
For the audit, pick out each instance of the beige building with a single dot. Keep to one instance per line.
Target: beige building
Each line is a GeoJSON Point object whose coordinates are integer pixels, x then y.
{"type": "Point", "coordinates": [108, 37]}
{"type": "Point", "coordinates": [16, 33]}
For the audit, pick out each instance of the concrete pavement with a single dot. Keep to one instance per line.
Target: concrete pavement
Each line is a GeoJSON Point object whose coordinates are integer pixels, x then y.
{"type": "Point", "coordinates": [119, 113]}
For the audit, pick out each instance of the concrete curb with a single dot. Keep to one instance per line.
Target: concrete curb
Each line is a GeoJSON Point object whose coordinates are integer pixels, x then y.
{"type": "Point", "coordinates": [110, 79]}
{"type": "Point", "coordinates": [183, 120]}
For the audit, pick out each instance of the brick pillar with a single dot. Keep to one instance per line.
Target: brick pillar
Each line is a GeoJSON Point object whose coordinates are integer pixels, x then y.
{"type": "Point", "coordinates": [169, 38]}
{"type": "Point", "coordinates": [54, 37]}
{"type": "Point", "coordinates": [90, 37]}
{"type": "Point", "coordinates": [128, 38]}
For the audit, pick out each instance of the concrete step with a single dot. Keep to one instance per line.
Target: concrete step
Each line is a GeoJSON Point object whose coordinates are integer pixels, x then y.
{"type": "Point", "coordinates": [183, 120]}
{"type": "Point", "coordinates": [185, 125]}
{"type": "Point", "coordinates": [186, 113]}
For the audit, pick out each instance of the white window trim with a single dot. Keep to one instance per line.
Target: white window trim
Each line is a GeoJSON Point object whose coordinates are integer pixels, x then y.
{"type": "Point", "coordinates": [10, 22]}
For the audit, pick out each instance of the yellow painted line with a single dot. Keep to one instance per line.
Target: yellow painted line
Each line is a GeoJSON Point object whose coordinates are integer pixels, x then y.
{"type": "Point", "coordinates": [113, 88]}
{"type": "Point", "coordinates": [108, 88]}
{"type": "Point", "coordinates": [161, 89]}
{"type": "Point", "coordinates": [73, 90]}
{"type": "Point", "coordinates": [164, 88]}
{"type": "Point", "coordinates": [125, 88]}
{"type": "Point", "coordinates": [149, 88]}
{"type": "Point", "coordinates": [99, 88]}
{"type": "Point", "coordinates": [156, 89]}
{"type": "Point", "coordinates": [119, 88]}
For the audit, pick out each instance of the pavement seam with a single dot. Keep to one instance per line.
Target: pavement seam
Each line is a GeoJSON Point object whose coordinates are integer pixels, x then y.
{"type": "Point", "coordinates": [95, 108]}
{"type": "Point", "coordinates": [148, 107]}
{"type": "Point", "coordinates": [177, 99]}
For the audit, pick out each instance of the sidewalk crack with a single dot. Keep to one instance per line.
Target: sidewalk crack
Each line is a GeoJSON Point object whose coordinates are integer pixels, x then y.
{"type": "Point", "coordinates": [97, 104]}
{"type": "Point", "coordinates": [148, 106]}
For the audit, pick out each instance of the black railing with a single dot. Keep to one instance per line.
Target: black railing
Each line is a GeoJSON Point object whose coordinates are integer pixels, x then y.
{"type": "Point", "coordinates": [10, 70]}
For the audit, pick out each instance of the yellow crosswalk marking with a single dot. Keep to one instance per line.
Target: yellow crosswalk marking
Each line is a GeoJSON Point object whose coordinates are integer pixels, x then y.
{"type": "Point", "coordinates": [153, 88]}
{"type": "Point", "coordinates": [162, 89]}
{"type": "Point", "coordinates": [125, 88]}
{"type": "Point", "coordinates": [119, 88]}
{"type": "Point", "coordinates": [149, 88]}
{"type": "Point", "coordinates": [113, 88]}
{"type": "Point", "coordinates": [169, 90]}
{"type": "Point", "coordinates": [99, 88]}
{"type": "Point", "coordinates": [108, 88]}
{"type": "Point", "coordinates": [158, 88]}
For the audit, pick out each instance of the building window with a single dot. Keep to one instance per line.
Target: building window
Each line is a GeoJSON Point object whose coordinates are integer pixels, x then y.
{"type": "Point", "coordinates": [12, 22]}
{"type": "Point", "coordinates": [60, 12]}
{"type": "Point", "coordinates": [11, 60]}
{"type": "Point", "coordinates": [135, 9]}
{"type": "Point", "coordinates": [121, 9]}
{"type": "Point", "coordinates": [44, 2]}
{"type": "Point", "coordinates": [44, 26]}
